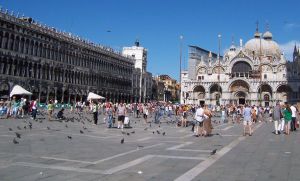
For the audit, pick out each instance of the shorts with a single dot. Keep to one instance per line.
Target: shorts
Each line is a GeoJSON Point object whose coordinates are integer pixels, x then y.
{"type": "Point", "coordinates": [145, 116]}
{"type": "Point", "coordinates": [121, 118]}
{"type": "Point", "coordinates": [199, 123]}
{"type": "Point", "coordinates": [247, 121]}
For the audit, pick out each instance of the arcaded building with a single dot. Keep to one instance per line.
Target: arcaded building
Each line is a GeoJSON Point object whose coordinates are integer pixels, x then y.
{"type": "Point", "coordinates": [256, 73]}
{"type": "Point", "coordinates": [57, 65]}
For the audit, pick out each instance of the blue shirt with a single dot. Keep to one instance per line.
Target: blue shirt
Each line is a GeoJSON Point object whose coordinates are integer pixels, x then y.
{"type": "Point", "coordinates": [247, 112]}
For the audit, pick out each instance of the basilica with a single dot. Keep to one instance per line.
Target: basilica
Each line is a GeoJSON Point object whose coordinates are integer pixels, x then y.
{"type": "Point", "coordinates": [255, 73]}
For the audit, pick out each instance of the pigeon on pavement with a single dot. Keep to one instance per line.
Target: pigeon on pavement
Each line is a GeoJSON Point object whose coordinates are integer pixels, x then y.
{"type": "Point", "coordinates": [122, 140]}
{"type": "Point", "coordinates": [10, 129]}
{"type": "Point", "coordinates": [81, 132]}
{"type": "Point", "coordinates": [213, 152]}
{"type": "Point", "coordinates": [18, 134]}
{"type": "Point", "coordinates": [15, 141]}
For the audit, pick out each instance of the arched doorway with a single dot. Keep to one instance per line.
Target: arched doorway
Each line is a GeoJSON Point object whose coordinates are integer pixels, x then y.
{"type": "Point", "coordinates": [215, 93]}
{"type": "Point", "coordinates": [239, 92]}
{"type": "Point", "coordinates": [199, 95]}
{"type": "Point", "coordinates": [4, 90]}
{"type": "Point", "coordinates": [284, 93]}
{"type": "Point", "coordinates": [265, 94]}
{"type": "Point", "coordinates": [241, 69]}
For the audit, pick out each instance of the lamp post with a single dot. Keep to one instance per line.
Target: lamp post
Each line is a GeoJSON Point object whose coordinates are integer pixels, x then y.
{"type": "Point", "coordinates": [180, 62]}
{"type": "Point", "coordinates": [219, 78]}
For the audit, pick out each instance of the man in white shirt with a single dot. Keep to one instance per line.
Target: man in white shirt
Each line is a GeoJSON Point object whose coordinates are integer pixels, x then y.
{"type": "Point", "coordinates": [199, 116]}
{"type": "Point", "coordinates": [294, 113]}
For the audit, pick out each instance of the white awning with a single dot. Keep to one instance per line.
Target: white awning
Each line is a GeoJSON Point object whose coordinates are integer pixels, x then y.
{"type": "Point", "coordinates": [18, 90]}
{"type": "Point", "coordinates": [92, 96]}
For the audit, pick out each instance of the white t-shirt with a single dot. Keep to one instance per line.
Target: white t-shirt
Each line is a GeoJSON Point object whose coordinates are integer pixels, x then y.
{"type": "Point", "coordinates": [199, 114]}
{"type": "Point", "coordinates": [294, 110]}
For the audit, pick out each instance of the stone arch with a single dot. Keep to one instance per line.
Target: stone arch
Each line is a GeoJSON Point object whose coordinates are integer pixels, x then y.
{"type": "Point", "coordinates": [4, 89]}
{"type": "Point", "coordinates": [216, 69]}
{"type": "Point", "coordinates": [198, 92]}
{"type": "Point", "coordinates": [284, 93]}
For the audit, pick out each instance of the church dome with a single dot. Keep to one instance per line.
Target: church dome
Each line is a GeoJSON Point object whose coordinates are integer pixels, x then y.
{"type": "Point", "coordinates": [266, 46]}
{"type": "Point", "coordinates": [268, 35]}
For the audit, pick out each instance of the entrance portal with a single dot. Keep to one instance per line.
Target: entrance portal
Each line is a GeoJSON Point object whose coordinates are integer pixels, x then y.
{"type": "Point", "coordinates": [202, 102]}
{"type": "Point", "coordinates": [242, 101]}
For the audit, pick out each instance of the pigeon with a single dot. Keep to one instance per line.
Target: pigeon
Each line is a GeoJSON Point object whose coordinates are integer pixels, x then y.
{"type": "Point", "coordinates": [84, 128]}
{"type": "Point", "coordinates": [213, 152]}
{"type": "Point", "coordinates": [159, 126]}
{"type": "Point", "coordinates": [10, 129]}
{"type": "Point", "coordinates": [146, 129]}
{"type": "Point", "coordinates": [82, 122]}
{"type": "Point", "coordinates": [158, 132]}
{"type": "Point", "coordinates": [132, 132]}
{"type": "Point", "coordinates": [128, 134]}
{"type": "Point", "coordinates": [164, 133]}
{"type": "Point", "coordinates": [25, 127]}
{"type": "Point", "coordinates": [30, 126]}
{"type": "Point", "coordinates": [66, 126]}
{"type": "Point", "coordinates": [81, 132]}
{"type": "Point", "coordinates": [122, 140]}
{"type": "Point", "coordinates": [18, 135]}
{"type": "Point", "coordinates": [15, 141]}
{"type": "Point", "coordinates": [135, 122]}
{"type": "Point", "coordinates": [48, 127]}
{"type": "Point", "coordinates": [69, 137]}
{"type": "Point", "coordinates": [18, 127]}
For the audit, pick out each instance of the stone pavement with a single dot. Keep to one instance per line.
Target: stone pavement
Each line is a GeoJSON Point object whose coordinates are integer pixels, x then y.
{"type": "Point", "coordinates": [97, 154]}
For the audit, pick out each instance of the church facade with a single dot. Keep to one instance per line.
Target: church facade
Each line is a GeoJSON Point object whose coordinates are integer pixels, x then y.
{"type": "Point", "coordinates": [256, 73]}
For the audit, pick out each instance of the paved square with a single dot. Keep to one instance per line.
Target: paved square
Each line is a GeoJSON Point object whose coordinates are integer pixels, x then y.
{"type": "Point", "coordinates": [46, 153]}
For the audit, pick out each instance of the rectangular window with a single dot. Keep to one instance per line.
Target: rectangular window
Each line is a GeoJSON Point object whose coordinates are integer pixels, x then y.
{"type": "Point", "coordinates": [265, 76]}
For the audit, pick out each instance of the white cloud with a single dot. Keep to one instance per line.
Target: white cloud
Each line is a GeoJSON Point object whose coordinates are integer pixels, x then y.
{"type": "Point", "coordinates": [288, 48]}
{"type": "Point", "coordinates": [291, 26]}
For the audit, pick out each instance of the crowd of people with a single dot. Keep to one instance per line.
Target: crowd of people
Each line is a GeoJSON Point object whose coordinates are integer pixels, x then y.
{"type": "Point", "coordinates": [199, 117]}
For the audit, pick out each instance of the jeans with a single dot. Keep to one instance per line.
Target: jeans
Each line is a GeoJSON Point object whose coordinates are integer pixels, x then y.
{"type": "Point", "coordinates": [95, 117]}
{"type": "Point", "coordinates": [110, 121]}
{"type": "Point", "coordinates": [293, 124]}
{"type": "Point", "coordinates": [34, 111]}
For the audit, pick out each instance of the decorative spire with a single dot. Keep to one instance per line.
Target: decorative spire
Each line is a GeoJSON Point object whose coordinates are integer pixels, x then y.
{"type": "Point", "coordinates": [256, 34]}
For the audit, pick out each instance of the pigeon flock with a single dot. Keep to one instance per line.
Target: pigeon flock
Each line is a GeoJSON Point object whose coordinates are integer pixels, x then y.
{"type": "Point", "coordinates": [86, 123]}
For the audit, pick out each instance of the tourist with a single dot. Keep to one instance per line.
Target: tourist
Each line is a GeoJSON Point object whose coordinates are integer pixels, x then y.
{"type": "Point", "coordinates": [109, 112]}
{"type": "Point", "coordinates": [121, 112]}
{"type": "Point", "coordinates": [247, 120]}
{"type": "Point", "coordinates": [276, 117]}
{"type": "Point", "coordinates": [207, 121]}
{"type": "Point", "coordinates": [254, 114]}
{"type": "Point", "coordinates": [223, 115]}
{"type": "Point", "coordinates": [60, 114]}
{"type": "Point", "coordinates": [287, 114]}
{"type": "Point", "coordinates": [33, 108]}
{"type": "Point", "coordinates": [184, 116]}
{"type": "Point", "coordinates": [294, 115]}
{"type": "Point", "coordinates": [95, 112]}
{"type": "Point", "coordinates": [145, 113]}
{"type": "Point", "coordinates": [199, 115]}
{"type": "Point", "coordinates": [50, 109]}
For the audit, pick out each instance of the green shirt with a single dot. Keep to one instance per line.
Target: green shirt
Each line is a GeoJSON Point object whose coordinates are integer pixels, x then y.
{"type": "Point", "coordinates": [50, 107]}
{"type": "Point", "coordinates": [287, 115]}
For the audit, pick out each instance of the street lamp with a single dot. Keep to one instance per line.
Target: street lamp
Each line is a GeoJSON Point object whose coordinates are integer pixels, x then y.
{"type": "Point", "coordinates": [219, 78]}
{"type": "Point", "coordinates": [180, 60]}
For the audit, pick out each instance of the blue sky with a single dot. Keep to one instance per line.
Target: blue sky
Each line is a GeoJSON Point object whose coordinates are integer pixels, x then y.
{"type": "Point", "coordinates": [159, 23]}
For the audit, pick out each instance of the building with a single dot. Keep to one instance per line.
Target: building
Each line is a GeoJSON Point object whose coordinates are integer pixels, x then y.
{"type": "Point", "coordinates": [142, 80]}
{"type": "Point", "coordinates": [254, 73]}
{"type": "Point", "coordinates": [168, 86]}
{"type": "Point", "coordinates": [57, 65]}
